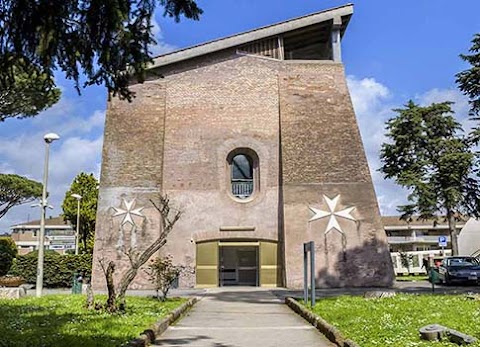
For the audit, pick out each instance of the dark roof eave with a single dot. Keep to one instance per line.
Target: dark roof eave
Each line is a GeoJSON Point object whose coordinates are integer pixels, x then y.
{"type": "Point", "coordinates": [253, 35]}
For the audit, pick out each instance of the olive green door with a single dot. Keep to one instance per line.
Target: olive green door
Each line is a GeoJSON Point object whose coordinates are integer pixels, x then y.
{"type": "Point", "coordinates": [270, 269]}
{"type": "Point", "coordinates": [207, 273]}
{"type": "Point", "coordinates": [207, 264]}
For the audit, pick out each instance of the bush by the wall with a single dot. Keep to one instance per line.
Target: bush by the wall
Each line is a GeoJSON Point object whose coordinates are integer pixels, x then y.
{"type": "Point", "coordinates": [8, 251]}
{"type": "Point", "coordinates": [58, 269]}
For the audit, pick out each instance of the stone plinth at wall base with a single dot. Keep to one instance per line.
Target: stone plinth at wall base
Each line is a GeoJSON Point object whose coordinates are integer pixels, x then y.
{"type": "Point", "coordinates": [12, 293]}
{"type": "Point", "coordinates": [332, 333]}
{"type": "Point", "coordinates": [157, 329]}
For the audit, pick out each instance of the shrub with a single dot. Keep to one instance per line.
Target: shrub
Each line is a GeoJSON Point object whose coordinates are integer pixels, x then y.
{"type": "Point", "coordinates": [58, 269]}
{"type": "Point", "coordinates": [163, 274]}
{"type": "Point", "coordinates": [8, 252]}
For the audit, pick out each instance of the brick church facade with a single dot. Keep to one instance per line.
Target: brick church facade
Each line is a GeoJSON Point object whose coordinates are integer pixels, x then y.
{"type": "Point", "coordinates": [255, 139]}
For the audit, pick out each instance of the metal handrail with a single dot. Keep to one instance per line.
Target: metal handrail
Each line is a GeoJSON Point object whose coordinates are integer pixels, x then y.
{"type": "Point", "coordinates": [242, 188]}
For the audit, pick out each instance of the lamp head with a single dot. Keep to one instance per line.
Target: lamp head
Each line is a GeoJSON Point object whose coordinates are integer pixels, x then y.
{"type": "Point", "coordinates": [76, 196]}
{"type": "Point", "coordinates": [50, 137]}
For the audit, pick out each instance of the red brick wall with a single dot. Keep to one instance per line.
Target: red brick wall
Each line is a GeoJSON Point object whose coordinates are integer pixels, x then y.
{"type": "Point", "coordinates": [322, 154]}
{"type": "Point", "coordinates": [175, 136]}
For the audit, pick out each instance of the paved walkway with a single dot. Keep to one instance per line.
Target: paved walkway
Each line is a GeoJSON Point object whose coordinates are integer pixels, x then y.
{"type": "Point", "coordinates": [241, 317]}
{"type": "Point", "coordinates": [420, 287]}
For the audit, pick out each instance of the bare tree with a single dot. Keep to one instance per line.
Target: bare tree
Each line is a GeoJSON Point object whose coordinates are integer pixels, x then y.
{"type": "Point", "coordinates": [137, 258]}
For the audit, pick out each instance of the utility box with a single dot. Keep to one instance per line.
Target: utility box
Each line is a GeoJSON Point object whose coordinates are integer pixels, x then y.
{"type": "Point", "coordinates": [77, 284]}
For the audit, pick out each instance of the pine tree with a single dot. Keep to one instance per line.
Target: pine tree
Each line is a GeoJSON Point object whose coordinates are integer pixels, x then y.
{"type": "Point", "coordinates": [428, 154]}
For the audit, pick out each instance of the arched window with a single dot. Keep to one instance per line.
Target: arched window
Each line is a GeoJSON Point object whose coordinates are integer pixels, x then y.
{"type": "Point", "coordinates": [243, 165]}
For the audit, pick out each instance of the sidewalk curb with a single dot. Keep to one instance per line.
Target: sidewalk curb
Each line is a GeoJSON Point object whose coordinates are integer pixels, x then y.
{"type": "Point", "coordinates": [332, 333]}
{"type": "Point", "coordinates": [150, 335]}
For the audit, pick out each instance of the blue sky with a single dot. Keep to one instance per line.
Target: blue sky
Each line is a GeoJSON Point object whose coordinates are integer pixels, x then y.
{"type": "Point", "coordinates": [393, 51]}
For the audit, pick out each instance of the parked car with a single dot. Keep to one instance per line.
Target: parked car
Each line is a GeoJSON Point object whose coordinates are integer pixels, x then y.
{"type": "Point", "coordinates": [459, 269]}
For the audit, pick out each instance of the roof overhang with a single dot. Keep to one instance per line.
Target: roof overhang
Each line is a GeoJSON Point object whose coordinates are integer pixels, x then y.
{"type": "Point", "coordinates": [37, 226]}
{"type": "Point", "coordinates": [420, 227]}
{"type": "Point", "coordinates": [341, 14]}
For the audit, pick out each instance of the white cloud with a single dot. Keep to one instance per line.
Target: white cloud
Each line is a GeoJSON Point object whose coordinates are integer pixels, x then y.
{"type": "Point", "coordinates": [160, 47]}
{"type": "Point", "coordinates": [460, 106]}
{"type": "Point", "coordinates": [79, 149]}
{"type": "Point", "coordinates": [367, 94]}
{"type": "Point", "coordinates": [67, 117]}
{"type": "Point", "coordinates": [440, 95]}
{"type": "Point", "coordinates": [372, 103]}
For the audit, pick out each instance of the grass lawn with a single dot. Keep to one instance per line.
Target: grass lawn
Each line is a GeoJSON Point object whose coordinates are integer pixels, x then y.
{"type": "Point", "coordinates": [61, 320]}
{"type": "Point", "coordinates": [395, 321]}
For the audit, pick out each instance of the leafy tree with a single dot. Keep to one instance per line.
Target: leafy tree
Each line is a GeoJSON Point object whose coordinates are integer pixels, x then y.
{"type": "Point", "coordinates": [8, 252]}
{"type": "Point", "coordinates": [85, 185]}
{"type": "Point", "coordinates": [104, 41]}
{"type": "Point", "coordinates": [29, 93]}
{"type": "Point", "coordinates": [469, 82]}
{"type": "Point", "coordinates": [406, 260]}
{"type": "Point", "coordinates": [16, 190]}
{"type": "Point", "coordinates": [428, 155]}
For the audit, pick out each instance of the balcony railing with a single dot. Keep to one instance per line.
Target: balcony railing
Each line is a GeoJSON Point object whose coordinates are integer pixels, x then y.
{"type": "Point", "coordinates": [242, 188]}
{"type": "Point", "coordinates": [413, 239]}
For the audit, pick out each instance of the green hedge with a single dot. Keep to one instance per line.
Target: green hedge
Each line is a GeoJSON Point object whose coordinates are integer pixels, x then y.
{"type": "Point", "coordinates": [58, 269]}
{"type": "Point", "coordinates": [8, 251]}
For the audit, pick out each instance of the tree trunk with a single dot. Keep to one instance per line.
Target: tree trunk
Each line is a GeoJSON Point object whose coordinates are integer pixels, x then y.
{"type": "Point", "coordinates": [111, 305]}
{"type": "Point", "coordinates": [453, 232]}
{"type": "Point", "coordinates": [84, 239]}
{"type": "Point", "coordinates": [118, 302]}
{"type": "Point", "coordinates": [124, 283]}
{"type": "Point", "coordinates": [90, 298]}
{"type": "Point", "coordinates": [130, 275]}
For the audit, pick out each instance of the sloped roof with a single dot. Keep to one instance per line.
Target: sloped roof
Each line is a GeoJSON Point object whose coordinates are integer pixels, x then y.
{"type": "Point", "coordinates": [52, 221]}
{"type": "Point", "coordinates": [344, 11]}
{"type": "Point", "coordinates": [395, 221]}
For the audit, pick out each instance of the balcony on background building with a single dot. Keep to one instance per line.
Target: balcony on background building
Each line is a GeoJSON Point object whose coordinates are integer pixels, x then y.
{"type": "Point", "coordinates": [242, 188]}
{"type": "Point", "coordinates": [414, 239]}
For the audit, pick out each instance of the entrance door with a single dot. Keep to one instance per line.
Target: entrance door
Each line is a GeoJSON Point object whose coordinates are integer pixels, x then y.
{"type": "Point", "coordinates": [238, 264]}
{"type": "Point", "coordinates": [230, 263]}
{"type": "Point", "coordinates": [207, 264]}
{"type": "Point", "coordinates": [270, 270]}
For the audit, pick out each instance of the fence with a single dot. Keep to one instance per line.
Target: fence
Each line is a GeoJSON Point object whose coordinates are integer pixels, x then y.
{"type": "Point", "coordinates": [416, 261]}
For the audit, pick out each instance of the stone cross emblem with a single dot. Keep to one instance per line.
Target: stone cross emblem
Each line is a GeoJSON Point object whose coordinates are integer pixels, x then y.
{"type": "Point", "coordinates": [128, 212]}
{"type": "Point", "coordinates": [333, 214]}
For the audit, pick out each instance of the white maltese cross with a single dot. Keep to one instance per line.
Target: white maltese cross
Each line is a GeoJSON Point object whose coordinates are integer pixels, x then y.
{"type": "Point", "coordinates": [128, 212]}
{"type": "Point", "coordinates": [332, 222]}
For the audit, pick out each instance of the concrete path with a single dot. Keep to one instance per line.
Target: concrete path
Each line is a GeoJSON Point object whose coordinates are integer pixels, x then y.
{"type": "Point", "coordinates": [419, 287]}
{"type": "Point", "coordinates": [241, 317]}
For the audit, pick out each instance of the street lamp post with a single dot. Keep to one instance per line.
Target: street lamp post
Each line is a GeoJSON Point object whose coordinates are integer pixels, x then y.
{"type": "Point", "coordinates": [49, 138]}
{"type": "Point", "coordinates": [77, 234]}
